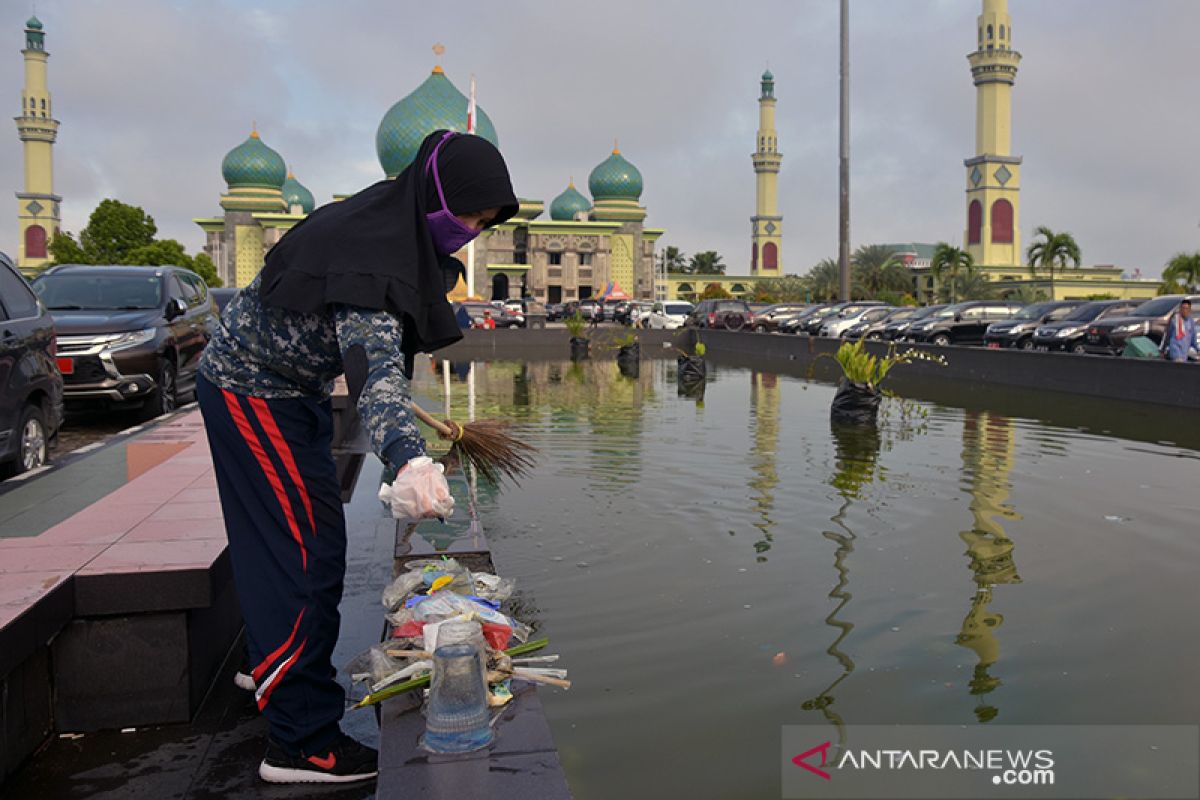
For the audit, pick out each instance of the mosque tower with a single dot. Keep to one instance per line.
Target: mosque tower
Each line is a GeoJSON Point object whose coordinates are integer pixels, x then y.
{"type": "Point", "coordinates": [766, 231]}
{"type": "Point", "coordinates": [993, 236]}
{"type": "Point", "coordinates": [37, 206]}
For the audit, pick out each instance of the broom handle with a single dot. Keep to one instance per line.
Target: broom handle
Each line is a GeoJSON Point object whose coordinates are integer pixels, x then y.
{"type": "Point", "coordinates": [431, 421]}
{"type": "Point", "coordinates": [534, 677]}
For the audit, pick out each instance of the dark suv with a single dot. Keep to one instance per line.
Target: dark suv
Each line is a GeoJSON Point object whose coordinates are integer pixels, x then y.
{"type": "Point", "coordinates": [31, 389]}
{"type": "Point", "coordinates": [1067, 334]}
{"type": "Point", "coordinates": [961, 323]}
{"type": "Point", "coordinates": [729, 314]}
{"type": "Point", "coordinates": [128, 336]}
{"type": "Point", "coordinates": [1018, 331]}
{"type": "Point", "coordinates": [1108, 336]}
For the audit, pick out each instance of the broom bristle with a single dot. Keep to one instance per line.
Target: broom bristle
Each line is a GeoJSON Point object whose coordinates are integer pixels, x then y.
{"type": "Point", "coordinates": [493, 451]}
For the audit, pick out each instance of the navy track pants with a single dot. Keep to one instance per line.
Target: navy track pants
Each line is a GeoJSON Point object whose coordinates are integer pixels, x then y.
{"type": "Point", "coordinates": [287, 539]}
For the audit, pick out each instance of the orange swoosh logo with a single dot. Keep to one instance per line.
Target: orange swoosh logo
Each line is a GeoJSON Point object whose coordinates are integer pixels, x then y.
{"type": "Point", "coordinates": [324, 763]}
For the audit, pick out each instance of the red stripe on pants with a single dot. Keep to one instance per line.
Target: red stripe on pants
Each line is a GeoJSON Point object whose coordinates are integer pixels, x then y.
{"type": "Point", "coordinates": [267, 420]}
{"type": "Point", "coordinates": [243, 425]}
{"type": "Point", "coordinates": [269, 660]}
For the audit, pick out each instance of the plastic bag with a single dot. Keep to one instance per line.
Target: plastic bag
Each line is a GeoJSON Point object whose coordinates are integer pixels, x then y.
{"type": "Point", "coordinates": [493, 587]}
{"type": "Point", "coordinates": [398, 590]}
{"type": "Point", "coordinates": [444, 604]}
{"type": "Point", "coordinates": [691, 370]}
{"type": "Point", "coordinates": [433, 570]}
{"type": "Point", "coordinates": [855, 402]}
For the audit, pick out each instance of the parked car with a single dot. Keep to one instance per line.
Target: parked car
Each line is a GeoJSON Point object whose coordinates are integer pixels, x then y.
{"type": "Point", "coordinates": [795, 323]}
{"type": "Point", "coordinates": [897, 328]}
{"type": "Point", "coordinates": [128, 336]}
{"type": "Point", "coordinates": [1108, 336]}
{"type": "Point", "coordinates": [1018, 331]}
{"type": "Point", "coordinates": [590, 309]}
{"type": "Point", "coordinates": [554, 312]}
{"type": "Point", "coordinates": [768, 319]}
{"type": "Point", "coordinates": [668, 315]}
{"type": "Point", "coordinates": [729, 314]}
{"type": "Point", "coordinates": [1067, 334]}
{"type": "Point", "coordinates": [221, 298]}
{"type": "Point", "coordinates": [962, 323]}
{"type": "Point", "coordinates": [639, 313]}
{"type": "Point", "coordinates": [838, 310]}
{"type": "Point", "coordinates": [835, 327]}
{"type": "Point", "coordinates": [620, 312]}
{"type": "Point", "coordinates": [31, 388]}
{"type": "Point", "coordinates": [500, 314]}
{"type": "Point", "coordinates": [873, 329]}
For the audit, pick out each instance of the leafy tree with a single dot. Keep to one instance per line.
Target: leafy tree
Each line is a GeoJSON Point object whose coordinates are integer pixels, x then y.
{"type": "Point", "coordinates": [158, 254]}
{"type": "Point", "coordinates": [115, 230]}
{"type": "Point", "coordinates": [875, 269]}
{"type": "Point", "coordinates": [950, 266]}
{"type": "Point", "coordinates": [824, 280]}
{"type": "Point", "coordinates": [1102, 296]}
{"type": "Point", "coordinates": [65, 250]}
{"type": "Point", "coordinates": [1053, 249]}
{"type": "Point", "coordinates": [788, 289]}
{"type": "Point", "coordinates": [706, 263]}
{"type": "Point", "coordinates": [674, 260]}
{"type": "Point", "coordinates": [1027, 294]}
{"type": "Point", "coordinates": [203, 266]}
{"type": "Point", "coordinates": [715, 291]}
{"type": "Point", "coordinates": [974, 286]}
{"type": "Point", "coordinates": [1182, 273]}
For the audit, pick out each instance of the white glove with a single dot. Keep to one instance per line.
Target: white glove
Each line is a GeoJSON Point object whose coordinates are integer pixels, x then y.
{"type": "Point", "coordinates": [420, 491]}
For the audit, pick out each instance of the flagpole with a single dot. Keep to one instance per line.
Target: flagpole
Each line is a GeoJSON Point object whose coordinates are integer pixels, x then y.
{"type": "Point", "coordinates": [471, 244]}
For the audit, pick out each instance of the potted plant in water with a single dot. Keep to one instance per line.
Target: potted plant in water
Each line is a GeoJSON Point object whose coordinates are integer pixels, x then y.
{"type": "Point", "coordinates": [579, 343]}
{"type": "Point", "coordinates": [858, 393]}
{"type": "Point", "coordinates": [629, 352]}
{"type": "Point", "coordinates": [692, 369]}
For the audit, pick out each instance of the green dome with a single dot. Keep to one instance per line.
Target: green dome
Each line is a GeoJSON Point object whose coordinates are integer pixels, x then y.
{"type": "Point", "coordinates": [434, 105]}
{"type": "Point", "coordinates": [295, 193]}
{"type": "Point", "coordinates": [34, 24]}
{"type": "Point", "coordinates": [767, 76]}
{"type": "Point", "coordinates": [252, 163]}
{"type": "Point", "coordinates": [568, 204]}
{"type": "Point", "coordinates": [615, 179]}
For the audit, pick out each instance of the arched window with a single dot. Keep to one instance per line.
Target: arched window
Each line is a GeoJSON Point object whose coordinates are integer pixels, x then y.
{"type": "Point", "coordinates": [1002, 222]}
{"type": "Point", "coordinates": [754, 255]}
{"type": "Point", "coordinates": [770, 256]}
{"type": "Point", "coordinates": [1001, 31]}
{"type": "Point", "coordinates": [43, 104]}
{"type": "Point", "coordinates": [991, 33]}
{"type": "Point", "coordinates": [975, 222]}
{"type": "Point", "coordinates": [35, 242]}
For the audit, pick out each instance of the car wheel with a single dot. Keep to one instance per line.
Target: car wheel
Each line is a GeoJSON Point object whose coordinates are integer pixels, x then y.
{"type": "Point", "coordinates": [164, 398]}
{"type": "Point", "coordinates": [32, 446]}
{"type": "Point", "coordinates": [874, 336]}
{"type": "Point", "coordinates": [941, 340]}
{"type": "Point", "coordinates": [760, 328]}
{"type": "Point", "coordinates": [1079, 348]}
{"type": "Point", "coordinates": [1026, 343]}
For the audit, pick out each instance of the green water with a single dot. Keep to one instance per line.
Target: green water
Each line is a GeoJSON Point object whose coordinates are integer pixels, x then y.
{"type": "Point", "coordinates": [713, 569]}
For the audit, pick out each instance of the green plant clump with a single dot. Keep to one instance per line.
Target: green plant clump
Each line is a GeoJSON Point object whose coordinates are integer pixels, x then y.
{"type": "Point", "coordinates": [860, 366]}
{"type": "Point", "coordinates": [575, 325]}
{"type": "Point", "coordinates": [700, 349]}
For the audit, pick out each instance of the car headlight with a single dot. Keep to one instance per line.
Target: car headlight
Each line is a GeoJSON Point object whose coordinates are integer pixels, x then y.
{"type": "Point", "coordinates": [132, 339]}
{"type": "Point", "coordinates": [1137, 326]}
{"type": "Point", "coordinates": [1063, 333]}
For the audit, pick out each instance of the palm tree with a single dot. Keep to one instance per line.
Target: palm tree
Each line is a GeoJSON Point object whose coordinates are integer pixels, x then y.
{"type": "Point", "coordinates": [1183, 273]}
{"type": "Point", "coordinates": [951, 265]}
{"type": "Point", "coordinates": [674, 260]}
{"type": "Point", "coordinates": [824, 280]}
{"type": "Point", "coordinates": [877, 270]}
{"type": "Point", "coordinates": [707, 263]}
{"type": "Point", "coordinates": [974, 286]}
{"type": "Point", "coordinates": [1051, 250]}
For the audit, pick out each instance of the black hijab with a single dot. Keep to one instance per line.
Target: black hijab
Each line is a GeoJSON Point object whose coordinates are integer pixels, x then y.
{"type": "Point", "coordinates": [373, 250]}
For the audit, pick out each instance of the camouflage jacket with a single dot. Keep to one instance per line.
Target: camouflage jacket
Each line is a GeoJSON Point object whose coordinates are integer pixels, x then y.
{"type": "Point", "coordinates": [274, 353]}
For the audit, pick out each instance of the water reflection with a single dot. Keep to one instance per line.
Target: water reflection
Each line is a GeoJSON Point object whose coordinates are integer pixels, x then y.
{"type": "Point", "coordinates": [987, 455]}
{"type": "Point", "coordinates": [764, 474]}
{"type": "Point", "coordinates": [856, 456]}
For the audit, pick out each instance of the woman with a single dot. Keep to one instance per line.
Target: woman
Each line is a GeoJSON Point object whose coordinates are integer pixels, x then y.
{"type": "Point", "coordinates": [358, 287]}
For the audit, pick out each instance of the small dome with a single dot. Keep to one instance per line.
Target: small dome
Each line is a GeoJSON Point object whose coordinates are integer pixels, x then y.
{"type": "Point", "coordinates": [614, 178]}
{"type": "Point", "coordinates": [568, 204]}
{"type": "Point", "coordinates": [252, 163]}
{"type": "Point", "coordinates": [34, 24]}
{"type": "Point", "coordinates": [296, 194]}
{"type": "Point", "coordinates": [434, 105]}
{"type": "Point", "coordinates": [767, 76]}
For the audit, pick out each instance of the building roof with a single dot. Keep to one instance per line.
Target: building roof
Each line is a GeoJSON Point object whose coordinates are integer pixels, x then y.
{"type": "Point", "coordinates": [296, 193]}
{"type": "Point", "coordinates": [434, 105]}
{"type": "Point", "coordinates": [253, 164]}
{"type": "Point", "coordinates": [34, 24]}
{"type": "Point", "coordinates": [615, 178]}
{"type": "Point", "coordinates": [568, 204]}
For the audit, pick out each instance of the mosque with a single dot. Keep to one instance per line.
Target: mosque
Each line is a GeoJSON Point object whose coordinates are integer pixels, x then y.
{"type": "Point", "coordinates": [587, 247]}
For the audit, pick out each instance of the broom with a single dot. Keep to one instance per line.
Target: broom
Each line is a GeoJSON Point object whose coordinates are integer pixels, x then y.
{"type": "Point", "coordinates": [485, 444]}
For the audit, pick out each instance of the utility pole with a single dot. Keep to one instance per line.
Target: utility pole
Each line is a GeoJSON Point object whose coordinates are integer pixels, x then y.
{"type": "Point", "coordinates": [844, 152]}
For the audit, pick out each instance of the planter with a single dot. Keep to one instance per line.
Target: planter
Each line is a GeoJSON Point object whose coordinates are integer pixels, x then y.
{"type": "Point", "coordinates": [630, 368]}
{"type": "Point", "coordinates": [692, 369]}
{"type": "Point", "coordinates": [629, 353]}
{"type": "Point", "coordinates": [855, 402]}
{"type": "Point", "coordinates": [579, 348]}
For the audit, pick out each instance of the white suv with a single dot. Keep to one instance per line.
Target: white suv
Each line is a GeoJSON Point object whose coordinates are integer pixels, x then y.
{"type": "Point", "coordinates": [669, 315]}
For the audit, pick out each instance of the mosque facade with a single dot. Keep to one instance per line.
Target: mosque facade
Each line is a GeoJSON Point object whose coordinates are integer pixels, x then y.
{"type": "Point", "coordinates": [586, 247]}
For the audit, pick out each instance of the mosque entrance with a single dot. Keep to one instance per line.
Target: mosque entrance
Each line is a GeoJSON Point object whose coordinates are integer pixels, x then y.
{"type": "Point", "coordinates": [500, 286]}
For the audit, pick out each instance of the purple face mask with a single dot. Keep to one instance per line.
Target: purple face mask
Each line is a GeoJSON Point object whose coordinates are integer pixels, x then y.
{"type": "Point", "coordinates": [448, 231]}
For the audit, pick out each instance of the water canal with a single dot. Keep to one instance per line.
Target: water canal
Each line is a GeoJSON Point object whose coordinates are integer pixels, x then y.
{"type": "Point", "coordinates": [712, 569]}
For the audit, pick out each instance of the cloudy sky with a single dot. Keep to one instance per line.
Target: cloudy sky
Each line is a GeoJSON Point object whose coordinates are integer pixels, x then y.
{"type": "Point", "coordinates": [152, 93]}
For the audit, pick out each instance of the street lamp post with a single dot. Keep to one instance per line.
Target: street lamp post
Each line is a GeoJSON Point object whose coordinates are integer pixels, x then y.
{"type": "Point", "coordinates": [844, 153]}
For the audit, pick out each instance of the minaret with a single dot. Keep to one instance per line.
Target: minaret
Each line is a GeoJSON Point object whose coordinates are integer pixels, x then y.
{"type": "Point", "coordinates": [766, 230]}
{"type": "Point", "coordinates": [37, 206]}
{"type": "Point", "coordinates": [993, 236]}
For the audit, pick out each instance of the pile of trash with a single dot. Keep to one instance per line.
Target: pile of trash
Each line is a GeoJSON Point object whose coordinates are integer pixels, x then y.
{"type": "Point", "coordinates": [437, 602]}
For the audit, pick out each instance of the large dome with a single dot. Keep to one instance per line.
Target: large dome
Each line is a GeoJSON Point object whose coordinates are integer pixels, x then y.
{"type": "Point", "coordinates": [296, 193]}
{"type": "Point", "coordinates": [568, 204]}
{"type": "Point", "coordinates": [614, 178]}
{"type": "Point", "coordinates": [435, 104]}
{"type": "Point", "coordinates": [253, 164]}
